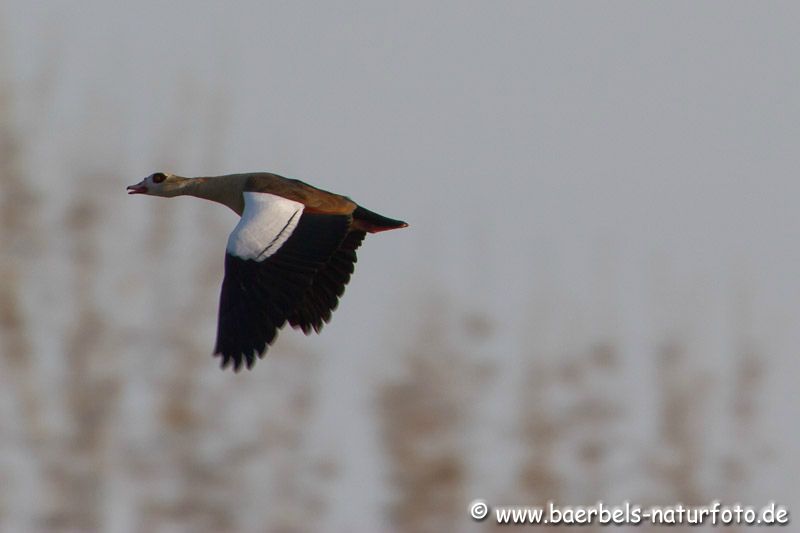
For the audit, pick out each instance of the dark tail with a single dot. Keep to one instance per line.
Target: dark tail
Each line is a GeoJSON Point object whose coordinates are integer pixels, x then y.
{"type": "Point", "coordinates": [366, 220]}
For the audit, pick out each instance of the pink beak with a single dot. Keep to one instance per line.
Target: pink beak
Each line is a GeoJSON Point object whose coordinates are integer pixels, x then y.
{"type": "Point", "coordinates": [139, 188]}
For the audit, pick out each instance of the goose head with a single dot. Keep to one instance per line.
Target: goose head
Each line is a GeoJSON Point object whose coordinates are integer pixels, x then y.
{"type": "Point", "coordinates": [158, 184]}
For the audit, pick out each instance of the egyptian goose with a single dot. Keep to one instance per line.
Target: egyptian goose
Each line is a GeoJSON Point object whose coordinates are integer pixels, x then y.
{"type": "Point", "coordinates": [288, 259]}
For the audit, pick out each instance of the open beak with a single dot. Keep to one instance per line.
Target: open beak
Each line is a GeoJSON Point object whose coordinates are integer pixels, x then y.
{"type": "Point", "coordinates": [139, 188]}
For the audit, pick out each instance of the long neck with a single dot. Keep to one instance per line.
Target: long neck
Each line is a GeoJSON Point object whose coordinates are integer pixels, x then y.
{"type": "Point", "coordinates": [226, 190]}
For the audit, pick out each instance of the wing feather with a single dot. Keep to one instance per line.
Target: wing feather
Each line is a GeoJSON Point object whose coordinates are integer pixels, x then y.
{"type": "Point", "coordinates": [273, 258]}
{"type": "Point", "coordinates": [322, 297]}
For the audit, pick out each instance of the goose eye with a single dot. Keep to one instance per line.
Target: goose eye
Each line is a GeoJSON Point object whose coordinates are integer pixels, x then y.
{"type": "Point", "coordinates": [158, 177]}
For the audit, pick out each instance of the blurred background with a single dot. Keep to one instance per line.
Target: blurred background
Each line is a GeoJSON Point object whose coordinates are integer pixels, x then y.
{"type": "Point", "coordinates": [597, 297]}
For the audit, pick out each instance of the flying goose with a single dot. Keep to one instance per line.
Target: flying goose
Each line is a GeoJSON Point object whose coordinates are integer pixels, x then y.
{"type": "Point", "coordinates": [288, 259]}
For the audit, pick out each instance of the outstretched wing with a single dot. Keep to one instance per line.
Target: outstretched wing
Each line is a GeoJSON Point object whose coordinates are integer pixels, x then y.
{"type": "Point", "coordinates": [322, 297]}
{"type": "Point", "coordinates": [272, 259]}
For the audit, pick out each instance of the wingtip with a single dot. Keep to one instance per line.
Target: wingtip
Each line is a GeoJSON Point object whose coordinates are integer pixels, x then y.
{"type": "Point", "coordinates": [239, 361]}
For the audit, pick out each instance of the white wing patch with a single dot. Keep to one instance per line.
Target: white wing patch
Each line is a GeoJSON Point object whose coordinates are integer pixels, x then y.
{"type": "Point", "coordinates": [266, 223]}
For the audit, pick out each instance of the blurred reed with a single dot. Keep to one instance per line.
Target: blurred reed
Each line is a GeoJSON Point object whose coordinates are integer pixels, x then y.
{"type": "Point", "coordinates": [425, 417]}
{"type": "Point", "coordinates": [212, 452]}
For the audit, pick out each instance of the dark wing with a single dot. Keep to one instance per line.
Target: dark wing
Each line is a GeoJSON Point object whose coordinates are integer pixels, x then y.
{"type": "Point", "coordinates": [322, 297]}
{"type": "Point", "coordinates": [273, 257]}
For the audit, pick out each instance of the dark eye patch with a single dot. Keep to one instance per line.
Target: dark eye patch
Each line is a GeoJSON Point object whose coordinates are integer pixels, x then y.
{"type": "Point", "coordinates": [158, 177]}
